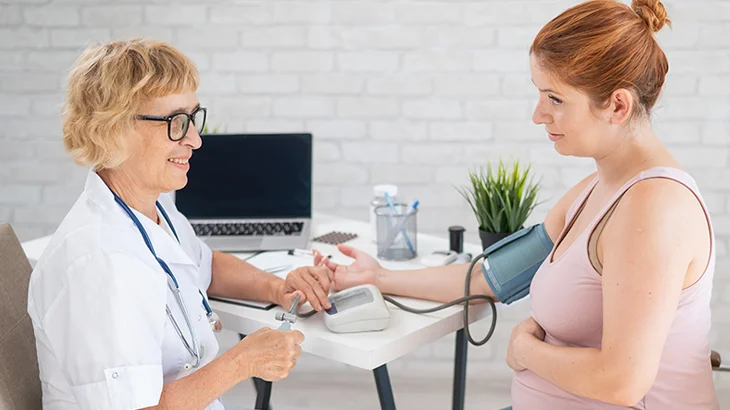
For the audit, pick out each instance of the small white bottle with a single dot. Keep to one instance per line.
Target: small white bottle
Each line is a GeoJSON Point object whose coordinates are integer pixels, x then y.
{"type": "Point", "coordinates": [378, 200]}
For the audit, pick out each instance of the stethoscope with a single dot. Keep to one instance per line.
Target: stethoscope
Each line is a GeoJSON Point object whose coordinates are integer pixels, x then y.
{"type": "Point", "coordinates": [194, 350]}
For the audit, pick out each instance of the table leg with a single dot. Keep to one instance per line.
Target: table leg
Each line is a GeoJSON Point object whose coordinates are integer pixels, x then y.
{"type": "Point", "coordinates": [459, 371]}
{"type": "Point", "coordinates": [385, 391]}
{"type": "Point", "coordinates": [263, 390]}
{"type": "Point", "coordinates": [263, 394]}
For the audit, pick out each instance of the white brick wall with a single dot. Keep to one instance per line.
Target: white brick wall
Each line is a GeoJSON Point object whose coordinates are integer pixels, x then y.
{"type": "Point", "coordinates": [410, 92]}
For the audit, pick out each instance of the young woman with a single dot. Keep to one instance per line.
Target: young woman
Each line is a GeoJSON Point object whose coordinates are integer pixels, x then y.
{"type": "Point", "coordinates": [621, 306]}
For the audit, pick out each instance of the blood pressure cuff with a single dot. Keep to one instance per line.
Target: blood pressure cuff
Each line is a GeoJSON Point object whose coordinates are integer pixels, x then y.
{"type": "Point", "coordinates": [511, 263]}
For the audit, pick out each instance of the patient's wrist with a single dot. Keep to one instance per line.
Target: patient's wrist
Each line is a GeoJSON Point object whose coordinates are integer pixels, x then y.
{"type": "Point", "coordinates": [525, 344]}
{"type": "Point", "coordinates": [381, 278]}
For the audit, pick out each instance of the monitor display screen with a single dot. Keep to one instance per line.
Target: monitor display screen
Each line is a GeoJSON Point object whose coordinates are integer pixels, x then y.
{"type": "Point", "coordinates": [247, 176]}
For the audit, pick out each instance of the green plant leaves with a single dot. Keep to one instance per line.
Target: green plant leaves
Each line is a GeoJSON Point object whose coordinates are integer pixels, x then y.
{"type": "Point", "coordinates": [207, 130]}
{"type": "Point", "coordinates": [501, 198]}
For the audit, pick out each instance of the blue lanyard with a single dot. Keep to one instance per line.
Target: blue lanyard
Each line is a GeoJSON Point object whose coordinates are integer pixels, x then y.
{"type": "Point", "coordinates": [148, 242]}
{"type": "Point", "coordinates": [195, 349]}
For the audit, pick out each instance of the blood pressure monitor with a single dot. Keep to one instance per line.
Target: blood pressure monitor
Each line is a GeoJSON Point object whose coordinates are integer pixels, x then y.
{"type": "Point", "coordinates": [358, 309]}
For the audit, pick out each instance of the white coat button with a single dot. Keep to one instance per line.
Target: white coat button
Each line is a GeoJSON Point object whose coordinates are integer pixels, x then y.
{"type": "Point", "coordinates": [200, 317]}
{"type": "Point", "coordinates": [115, 375]}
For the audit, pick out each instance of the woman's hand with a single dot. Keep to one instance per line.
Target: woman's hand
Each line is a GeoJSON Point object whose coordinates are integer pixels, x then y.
{"type": "Point", "coordinates": [270, 354]}
{"type": "Point", "coordinates": [311, 283]}
{"type": "Point", "coordinates": [363, 270]}
{"type": "Point", "coordinates": [525, 330]}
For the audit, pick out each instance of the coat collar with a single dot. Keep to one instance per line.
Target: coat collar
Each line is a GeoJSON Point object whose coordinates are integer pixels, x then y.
{"type": "Point", "coordinates": [165, 245]}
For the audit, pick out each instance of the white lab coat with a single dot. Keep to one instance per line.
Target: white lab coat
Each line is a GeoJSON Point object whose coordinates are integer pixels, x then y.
{"type": "Point", "coordinates": [97, 301]}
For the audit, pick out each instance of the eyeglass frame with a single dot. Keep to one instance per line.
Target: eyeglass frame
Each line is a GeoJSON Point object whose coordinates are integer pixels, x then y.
{"type": "Point", "coordinates": [168, 120]}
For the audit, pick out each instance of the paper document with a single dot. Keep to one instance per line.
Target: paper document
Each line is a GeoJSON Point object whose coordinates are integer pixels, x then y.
{"type": "Point", "coordinates": [267, 261]}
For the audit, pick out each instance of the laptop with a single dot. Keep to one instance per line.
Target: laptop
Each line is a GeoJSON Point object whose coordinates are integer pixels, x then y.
{"type": "Point", "coordinates": [250, 192]}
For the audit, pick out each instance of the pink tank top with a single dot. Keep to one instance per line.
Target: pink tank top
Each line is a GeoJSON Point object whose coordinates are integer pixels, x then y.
{"type": "Point", "coordinates": [570, 284]}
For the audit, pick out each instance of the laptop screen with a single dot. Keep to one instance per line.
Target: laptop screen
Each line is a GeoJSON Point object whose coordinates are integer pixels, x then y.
{"type": "Point", "coordinates": [247, 176]}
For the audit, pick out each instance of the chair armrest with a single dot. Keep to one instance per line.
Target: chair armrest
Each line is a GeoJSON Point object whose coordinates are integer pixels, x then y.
{"type": "Point", "coordinates": [716, 361]}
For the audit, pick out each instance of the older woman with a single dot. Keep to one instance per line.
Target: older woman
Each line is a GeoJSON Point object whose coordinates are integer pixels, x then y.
{"type": "Point", "coordinates": [118, 300]}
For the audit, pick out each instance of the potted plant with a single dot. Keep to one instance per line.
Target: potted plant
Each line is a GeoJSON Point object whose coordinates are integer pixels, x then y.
{"type": "Point", "coordinates": [209, 131]}
{"type": "Point", "coordinates": [501, 199]}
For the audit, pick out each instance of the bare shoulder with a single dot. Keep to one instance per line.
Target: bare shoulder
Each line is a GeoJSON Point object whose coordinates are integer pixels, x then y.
{"type": "Point", "coordinates": [659, 198]}
{"type": "Point", "coordinates": [662, 212]}
{"type": "Point", "coordinates": [555, 219]}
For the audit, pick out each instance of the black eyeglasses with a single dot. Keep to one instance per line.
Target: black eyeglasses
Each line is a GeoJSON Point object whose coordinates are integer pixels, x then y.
{"type": "Point", "coordinates": [177, 124]}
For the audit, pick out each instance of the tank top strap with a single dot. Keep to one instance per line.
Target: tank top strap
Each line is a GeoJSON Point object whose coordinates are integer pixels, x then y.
{"type": "Point", "coordinates": [675, 174]}
{"type": "Point", "coordinates": [578, 202]}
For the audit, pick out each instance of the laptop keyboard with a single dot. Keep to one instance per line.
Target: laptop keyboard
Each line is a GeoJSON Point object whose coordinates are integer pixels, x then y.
{"type": "Point", "coordinates": [249, 229]}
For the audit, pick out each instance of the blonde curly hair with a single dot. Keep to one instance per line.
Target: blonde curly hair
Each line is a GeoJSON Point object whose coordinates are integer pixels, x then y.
{"type": "Point", "coordinates": [106, 87]}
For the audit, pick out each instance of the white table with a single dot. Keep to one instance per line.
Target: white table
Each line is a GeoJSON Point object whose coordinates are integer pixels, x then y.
{"type": "Point", "coordinates": [405, 333]}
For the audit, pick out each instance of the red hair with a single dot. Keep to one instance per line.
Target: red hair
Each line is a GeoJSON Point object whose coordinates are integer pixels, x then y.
{"type": "Point", "coordinates": [601, 46]}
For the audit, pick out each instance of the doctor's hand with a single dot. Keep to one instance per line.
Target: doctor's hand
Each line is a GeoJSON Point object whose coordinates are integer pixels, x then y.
{"type": "Point", "coordinates": [312, 283]}
{"type": "Point", "coordinates": [270, 354]}
{"type": "Point", "coordinates": [528, 329]}
{"type": "Point", "coordinates": [363, 270]}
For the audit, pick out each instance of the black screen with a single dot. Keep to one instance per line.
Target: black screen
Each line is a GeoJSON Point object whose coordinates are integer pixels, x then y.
{"type": "Point", "coordinates": [264, 176]}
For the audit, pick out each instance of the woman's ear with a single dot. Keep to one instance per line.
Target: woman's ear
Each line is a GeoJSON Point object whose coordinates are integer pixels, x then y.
{"type": "Point", "coordinates": [621, 106]}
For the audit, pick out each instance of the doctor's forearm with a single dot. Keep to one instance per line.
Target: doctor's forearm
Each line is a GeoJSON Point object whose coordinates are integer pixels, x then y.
{"type": "Point", "coordinates": [440, 284]}
{"type": "Point", "coordinates": [234, 278]}
{"type": "Point", "coordinates": [196, 391]}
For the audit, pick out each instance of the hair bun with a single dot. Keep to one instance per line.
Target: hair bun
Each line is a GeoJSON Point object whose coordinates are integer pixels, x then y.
{"type": "Point", "coordinates": [652, 12]}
